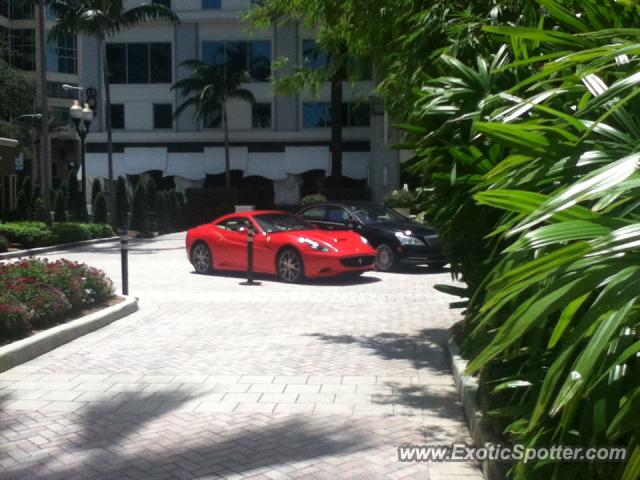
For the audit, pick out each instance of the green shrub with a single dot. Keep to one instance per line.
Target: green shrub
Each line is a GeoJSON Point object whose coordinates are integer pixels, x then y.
{"type": "Point", "coordinates": [70, 232]}
{"type": "Point", "coordinates": [100, 208]}
{"type": "Point", "coordinates": [401, 199]}
{"type": "Point", "coordinates": [100, 230]}
{"type": "Point", "coordinates": [4, 244]}
{"type": "Point", "coordinates": [41, 293]}
{"type": "Point", "coordinates": [27, 234]}
{"type": "Point", "coordinates": [205, 205]}
{"type": "Point", "coordinates": [313, 199]}
{"type": "Point", "coordinates": [122, 204]}
{"type": "Point", "coordinates": [60, 207]}
{"type": "Point", "coordinates": [24, 202]}
{"type": "Point", "coordinates": [39, 210]}
{"type": "Point", "coordinates": [15, 317]}
{"type": "Point", "coordinates": [140, 210]}
{"type": "Point", "coordinates": [96, 188]}
{"type": "Point", "coordinates": [162, 211]}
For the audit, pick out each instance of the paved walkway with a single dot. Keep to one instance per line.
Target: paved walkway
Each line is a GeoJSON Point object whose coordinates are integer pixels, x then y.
{"type": "Point", "coordinates": [214, 380]}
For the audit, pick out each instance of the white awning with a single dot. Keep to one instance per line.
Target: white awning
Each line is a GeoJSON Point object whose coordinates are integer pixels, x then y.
{"type": "Point", "coordinates": [355, 165]}
{"type": "Point", "coordinates": [187, 165]}
{"type": "Point", "coordinates": [140, 160]}
{"type": "Point", "coordinates": [98, 165]}
{"type": "Point", "coordinates": [270, 165]}
{"type": "Point", "coordinates": [8, 142]}
{"type": "Point", "coordinates": [302, 159]}
{"type": "Point", "coordinates": [214, 159]}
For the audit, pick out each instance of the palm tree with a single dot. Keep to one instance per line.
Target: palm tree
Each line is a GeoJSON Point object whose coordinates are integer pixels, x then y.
{"type": "Point", "coordinates": [209, 87]}
{"type": "Point", "coordinates": [101, 18]}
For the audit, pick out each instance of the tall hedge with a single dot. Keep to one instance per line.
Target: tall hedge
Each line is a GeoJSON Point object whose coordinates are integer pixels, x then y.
{"type": "Point", "coordinates": [100, 209]}
{"type": "Point", "coordinates": [140, 209]}
{"type": "Point", "coordinates": [60, 207]}
{"type": "Point", "coordinates": [96, 188]}
{"type": "Point", "coordinates": [122, 204]}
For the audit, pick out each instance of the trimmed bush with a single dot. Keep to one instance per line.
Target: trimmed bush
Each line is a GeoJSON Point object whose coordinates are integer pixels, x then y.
{"type": "Point", "coordinates": [205, 205]}
{"type": "Point", "coordinates": [96, 188]}
{"type": "Point", "coordinates": [401, 199]}
{"type": "Point", "coordinates": [122, 204]}
{"type": "Point", "coordinates": [15, 317]}
{"type": "Point", "coordinates": [27, 234]}
{"type": "Point", "coordinates": [100, 208]}
{"type": "Point", "coordinates": [4, 244]}
{"type": "Point", "coordinates": [70, 232]}
{"type": "Point", "coordinates": [99, 230]}
{"type": "Point", "coordinates": [162, 211]}
{"type": "Point", "coordinates": [60, 208]}
{"type": "Point", "coordinates": [39, 210]}
{"type": "Point", "coordinates": [140, 210]}
{"type": "Point", "coordinates": [39, 293]}
{"type": "Point", "coordinates": [313, 199]}
{"type": "Point", "coordinates": [24, 204]}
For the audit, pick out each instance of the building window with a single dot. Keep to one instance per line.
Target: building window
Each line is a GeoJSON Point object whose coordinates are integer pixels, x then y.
{"type": "Point", "coordinates": [4, 8]}
{"type": "Point", "coordinates": [117, 116]}
{"type": "Point", "coordinates": [312, 56]}
{"type": "Point", "coordinates": [210, 4]}
{"type": "Point", "coordinates": [316, 115]}
{"type": "Point", "coordinates": [139, 62]}
{"type": "Point", "coordinates": [356, 114]}
{"type": "Point", "coordinates": [261, 115]}
{"type": "Point", "coordinates": [23, 50]}
{"type": "Point", "coordinates": [60, 116]}
{"type": "Point", "coordinates": [21, 10]}
{"type": "Point", "coordinates": [162, 115]}
{"type": "Point", "coordinates": [62, 56]}
{"type": "Point", "coordinates": [164, 3]}
{"type": "Point", "coordinates": [253, 56]}
{"type": "Point", "coordinates": [160, 63]}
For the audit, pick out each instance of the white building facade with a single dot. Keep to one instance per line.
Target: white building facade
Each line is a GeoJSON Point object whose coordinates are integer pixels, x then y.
{"type": "Point", "coordinates": [279, 140]}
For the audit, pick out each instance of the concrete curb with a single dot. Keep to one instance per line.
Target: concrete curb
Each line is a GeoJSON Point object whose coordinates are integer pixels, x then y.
{"type": "Point", "coordinates": [54, 248]}
{"type": "Point", "coordinates": [29, 348]}
{"type": "Point", "coordinates": [467, 387]}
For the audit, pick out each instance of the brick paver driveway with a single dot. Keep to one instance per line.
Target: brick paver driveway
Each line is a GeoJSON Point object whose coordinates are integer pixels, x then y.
{"type": "Point", "coordinates": [210, 379]}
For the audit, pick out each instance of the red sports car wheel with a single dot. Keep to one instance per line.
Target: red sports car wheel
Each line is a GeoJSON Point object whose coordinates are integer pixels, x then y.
{"type": "Point", "coordinates": [290, 266]}
{"type": "Point", "coordinates": [201, 258]}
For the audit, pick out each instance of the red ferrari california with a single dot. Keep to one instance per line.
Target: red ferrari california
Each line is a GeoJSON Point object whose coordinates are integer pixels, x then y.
{"type": "Point", "coordinates": [284, 245]}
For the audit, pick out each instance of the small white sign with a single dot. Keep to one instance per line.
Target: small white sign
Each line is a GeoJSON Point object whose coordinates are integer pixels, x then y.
{"type": "Point", "coordinates": [20, 163]}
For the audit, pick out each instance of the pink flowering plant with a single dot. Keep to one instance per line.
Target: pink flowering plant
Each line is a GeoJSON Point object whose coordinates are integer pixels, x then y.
{"type": "Point", "coordinates": [38, 293]}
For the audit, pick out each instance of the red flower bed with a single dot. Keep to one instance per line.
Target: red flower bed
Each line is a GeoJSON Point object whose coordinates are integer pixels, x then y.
{"type": "Point", "coordinates": [37, 293]}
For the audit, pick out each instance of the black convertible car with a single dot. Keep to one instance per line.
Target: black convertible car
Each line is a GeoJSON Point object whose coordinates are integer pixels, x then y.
{"type": "Point", "coordinates": [397, 239]}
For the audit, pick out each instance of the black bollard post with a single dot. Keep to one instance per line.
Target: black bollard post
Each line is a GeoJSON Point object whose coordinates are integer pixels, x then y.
{"type": "Point", "coordinates": [250, 241]}
{"type": "Point", "coordinates": [124, 259]}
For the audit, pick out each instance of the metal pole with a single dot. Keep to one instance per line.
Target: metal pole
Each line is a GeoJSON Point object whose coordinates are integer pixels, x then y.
{"type": "Point", "coordinates": [83, 167]}
{"type": "Point", "coordinates": [250, 242]}
{"type": "Point", "coordinates": [124, 258]}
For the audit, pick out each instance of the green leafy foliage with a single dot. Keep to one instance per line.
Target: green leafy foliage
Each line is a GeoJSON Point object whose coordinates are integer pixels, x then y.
{"type": "Point", "coordinates": [140, 209]}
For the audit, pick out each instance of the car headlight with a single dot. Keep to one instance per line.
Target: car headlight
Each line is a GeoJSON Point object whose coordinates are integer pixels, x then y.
{"type": "Point", "coordinates": [405, 238]}
{"type": "Point", "coordinates": [364, 240]}
{"type": "Point", "coordinates": [317, 246]}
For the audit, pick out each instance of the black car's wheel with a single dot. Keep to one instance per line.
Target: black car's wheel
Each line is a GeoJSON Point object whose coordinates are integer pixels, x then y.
{"type": "Point", "coordinates": [290, 266]}
{"type": "Point", "coordinates": [201, 258]}
{"type": "Point", "coordinates": [385, 258]}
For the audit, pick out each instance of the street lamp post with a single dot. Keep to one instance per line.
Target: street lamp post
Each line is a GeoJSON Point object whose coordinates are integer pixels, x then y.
{"type": "Point", "coordinates": [82, 118]}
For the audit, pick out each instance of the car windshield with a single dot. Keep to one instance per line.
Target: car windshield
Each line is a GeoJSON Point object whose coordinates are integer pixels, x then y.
{"type": "Point", "coordinates": [281, 222]}
{"type": "Point", "coordinates": [369, 214]}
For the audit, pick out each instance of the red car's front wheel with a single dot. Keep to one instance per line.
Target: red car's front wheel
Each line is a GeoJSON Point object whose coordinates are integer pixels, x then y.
{"type": "Point", "coordinates": [290, 266]}
{"type": "Point", "coordinates": [201, 258]}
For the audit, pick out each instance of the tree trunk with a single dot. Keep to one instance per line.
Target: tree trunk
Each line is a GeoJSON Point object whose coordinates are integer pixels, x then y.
{"type": "Point", "coordinates": [227, 157]}
{"type": "Point", "coordinates": [336, 123]}
{"type": "Point", "coordinates": [111, 191]}
{"type": "Point", "coordinates": [45, 142]}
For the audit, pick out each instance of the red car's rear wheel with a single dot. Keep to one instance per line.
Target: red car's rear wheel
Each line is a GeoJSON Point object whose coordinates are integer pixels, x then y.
{"type": "Point", "coordinates": [290, 266]}
{"type": "Point", "coordinates": [201, 258]}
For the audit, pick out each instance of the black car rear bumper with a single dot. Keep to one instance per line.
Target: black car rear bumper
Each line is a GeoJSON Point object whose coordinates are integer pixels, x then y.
{"type": "Point", "coordinates": [411, 255]}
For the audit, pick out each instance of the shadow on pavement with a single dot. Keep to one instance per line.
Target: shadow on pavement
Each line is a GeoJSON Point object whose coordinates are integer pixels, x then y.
{"type": "Point", "coordinates": [122, 441]}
